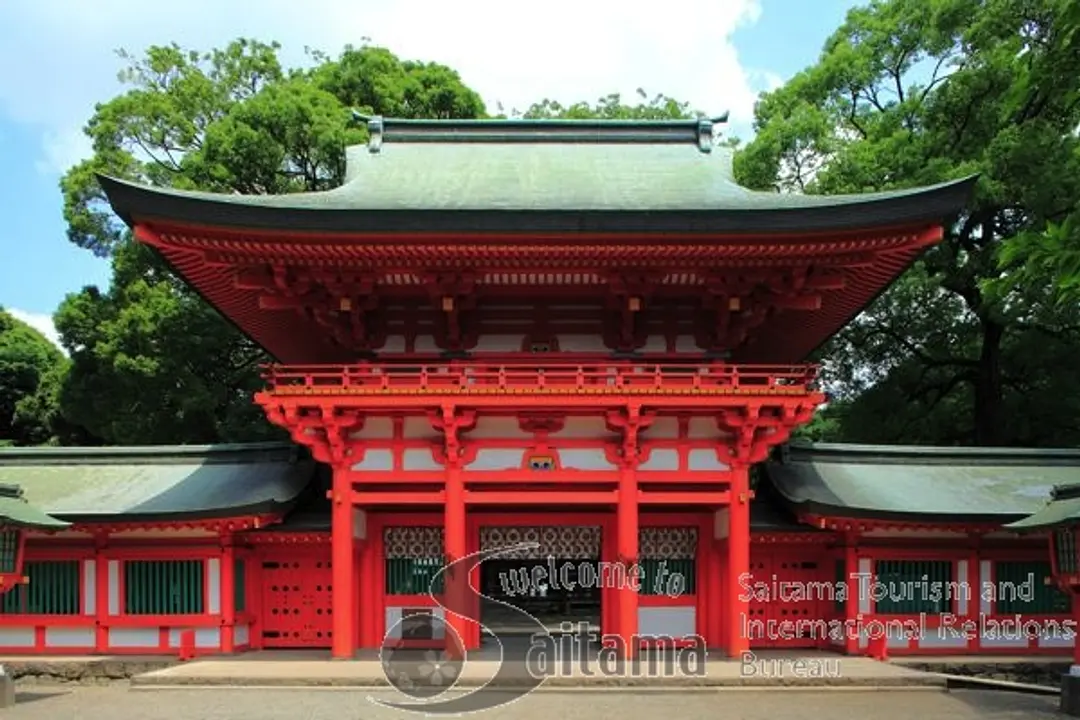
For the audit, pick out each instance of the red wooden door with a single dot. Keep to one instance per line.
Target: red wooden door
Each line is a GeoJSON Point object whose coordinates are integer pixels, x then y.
{"type": "Point", "coordinates": [296, 590]}
{"type": "Point", "coordinates": [790, 594]}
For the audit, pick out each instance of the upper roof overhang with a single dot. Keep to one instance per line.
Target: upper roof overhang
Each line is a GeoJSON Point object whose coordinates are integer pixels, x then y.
{"type": "Point", "coordinates": [529, 176]}
{"type": "Point", "coordinates": [515, 196]}
{"type": "Point", "coordinates": [426, 195]}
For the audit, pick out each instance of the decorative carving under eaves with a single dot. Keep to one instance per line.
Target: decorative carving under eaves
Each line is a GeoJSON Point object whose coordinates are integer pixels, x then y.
{"type": "Point", "coordinates": [738, 303]}
{"type": "Point", "coordinates": [345, 304]}
{"type": "Point", "coordinates": [628, 297]}
{"type": "Point", "coordinates": [454, 296]}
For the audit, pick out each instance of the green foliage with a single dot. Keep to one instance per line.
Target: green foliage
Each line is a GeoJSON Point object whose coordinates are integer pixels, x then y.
{"type": "Point", "coordinates": [151, 362]}
{"type": "Point", "coordinates": [612, 107]}
{"type": "Point", "coordinates": [30, 370]}
{"type": "Point", "coordinates": [914, 92]}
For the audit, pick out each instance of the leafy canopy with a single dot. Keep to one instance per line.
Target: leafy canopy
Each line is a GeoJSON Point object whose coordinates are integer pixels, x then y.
{"type": "Point", "coordinates": [915, 92]}
{"type": "Point", "coordinates": [150, 361]}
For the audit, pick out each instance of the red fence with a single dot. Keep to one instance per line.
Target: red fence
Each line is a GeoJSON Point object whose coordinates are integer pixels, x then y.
{"type": "Point", "coordinates": [532, 377]}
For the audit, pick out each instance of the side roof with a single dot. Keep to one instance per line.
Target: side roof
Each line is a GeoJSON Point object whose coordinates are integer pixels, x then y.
{"type": "Point", "coordinates": [158, 483]}
{"type": "Point", "coordinates": [539, 175]}
{"type": "Point", "coordinates": [927, 484]}
{"type": "Point", "coordinates": [1063, 510]}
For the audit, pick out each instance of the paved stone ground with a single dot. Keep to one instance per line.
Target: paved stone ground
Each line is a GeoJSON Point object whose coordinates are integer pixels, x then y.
{"type": "Point", "coordinates": [109, 703]}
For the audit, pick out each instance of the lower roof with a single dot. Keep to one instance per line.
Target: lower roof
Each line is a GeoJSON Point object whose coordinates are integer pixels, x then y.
{"type": "Point", "coordinates": [924, 484]}
{"type": "Point", "coordinates": [158, 483]}
{"type": "Point", "coordinates": [897, 483]}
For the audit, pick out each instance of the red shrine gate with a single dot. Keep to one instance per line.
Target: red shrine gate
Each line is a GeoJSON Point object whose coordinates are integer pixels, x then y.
{"type": "Point", "coordinates": [750, 409]}
{"type": "Point", "coordinates": [568, 338]}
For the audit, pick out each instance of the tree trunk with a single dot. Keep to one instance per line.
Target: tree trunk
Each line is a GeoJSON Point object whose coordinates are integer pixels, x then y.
{"type": "Point", "coordinates": [988, 386]}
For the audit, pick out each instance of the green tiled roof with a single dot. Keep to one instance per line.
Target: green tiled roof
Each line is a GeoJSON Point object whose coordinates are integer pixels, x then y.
{"type": "Point", "coordinates": [554, 175]}
{"type": "Point", "coordinates": [921, 483]}
{"type": "Point", "coordinates": [145, 483]}
{"type": "Point", "coordinates": [1063, 509]}
{"type": "Point", "coordinates": [15, 510]}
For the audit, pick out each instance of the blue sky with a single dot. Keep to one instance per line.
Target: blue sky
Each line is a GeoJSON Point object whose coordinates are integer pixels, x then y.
{"type": "Point", "coordinates": [59, 60]}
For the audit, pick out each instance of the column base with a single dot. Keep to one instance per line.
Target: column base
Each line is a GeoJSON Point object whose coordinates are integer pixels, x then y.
{"type": "Point", "coordinates": [1070, 692]}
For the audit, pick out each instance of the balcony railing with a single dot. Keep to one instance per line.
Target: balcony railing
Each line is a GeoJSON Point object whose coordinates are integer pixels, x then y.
{"type": "Point", "coordinates": [540, 378]}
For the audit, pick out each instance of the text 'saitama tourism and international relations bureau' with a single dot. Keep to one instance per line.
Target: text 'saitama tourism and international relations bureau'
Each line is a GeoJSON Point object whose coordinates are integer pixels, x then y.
{"type": "Point", "coordinates": [581, 335]}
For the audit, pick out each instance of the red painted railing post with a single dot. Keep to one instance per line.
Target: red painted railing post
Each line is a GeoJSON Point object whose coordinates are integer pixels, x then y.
{"type": "Point", "coordinates": [187, 645]}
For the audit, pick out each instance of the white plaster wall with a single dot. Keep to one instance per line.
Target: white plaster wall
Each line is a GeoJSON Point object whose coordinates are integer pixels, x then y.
{"type": "Point", "coordinates": [376, 428]}
{"type": "Point", "coordinates": [704, 429]}
{"type": "Point", "coordinates": [585, 459]}
{"type": "Point", "coordinates": [662, 428]}
{"type": "Point", "coordinates": [376, 460]}
{"type": "Point", "coordinates": [866, 566]}
{"type": "Point", "coordinates": [205, 638]}
{"type": "Point", "coordinates": [494, 459]}
{"type": "Point", "coordinates": [661, 459]}
{"type": "Point", "coordinates": [686, 343]}
{"type": "Point", "coordinates": [61, 637]}
{"type": "Point", "coordinates": [213, 586]}
{"type": "Point", "coordinates": [419, 459]}
{"type": "Point", "coordinates": [393, 617]}
{"type": "Point", "coordinates": [500, 343]}
{"type": "Point", "coordinates": [589, 428]}
{"type": "Point", "coordinates": [705, 460]}
{"type": "Point", "coordinates": [498, 427]}
{"type": "Point", "coordinates": [582, 343]}
{"type": "Point", "coordinates": [675, 622]}
{"type": "Point", "coordinates": [89, 587]}
{"type": "Point", "coordinates": [133, 637]}
{"type": "Point", "coordinates": [114, 587]}
{"type": "Point", "coordinates": [17, 637]}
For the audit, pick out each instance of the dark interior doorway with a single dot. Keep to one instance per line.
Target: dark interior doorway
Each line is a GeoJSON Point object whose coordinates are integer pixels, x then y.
{"type": "Point", "coordinates": [556, 583]}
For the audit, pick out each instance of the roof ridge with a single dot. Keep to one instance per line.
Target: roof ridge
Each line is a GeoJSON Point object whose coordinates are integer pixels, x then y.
{"type": "Point", "coordinates": [696, 131]}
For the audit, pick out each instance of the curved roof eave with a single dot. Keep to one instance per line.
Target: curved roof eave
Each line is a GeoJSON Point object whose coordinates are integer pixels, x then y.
{"type": "Point", "coordinates": [339, 212]}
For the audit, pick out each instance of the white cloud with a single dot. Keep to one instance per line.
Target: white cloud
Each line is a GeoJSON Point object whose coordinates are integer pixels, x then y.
{"type": "Point", "coordinates": [60, 60]}
{"type": "Point", "coordinates": [40, 322]}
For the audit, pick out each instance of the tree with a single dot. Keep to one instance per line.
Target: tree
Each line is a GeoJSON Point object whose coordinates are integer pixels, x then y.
{"type": "Point", "coordinates": [150, 361]}
{"type": "Point", "coordinates": [30, 368]}
{"type": "Point", "coordinates": [612, 107]}
{"type": "Point", "coordinates": [914, 92]}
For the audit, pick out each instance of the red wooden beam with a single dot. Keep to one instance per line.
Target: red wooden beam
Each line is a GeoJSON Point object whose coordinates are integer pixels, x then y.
{"type": "Point", "coordinates": [870, 524]}
{"type": "Point", "coordinates": [399, 498]}
{"type": "Point", "coordinates": [528, 497]}
{"type": "Point", "coordinates": [684, 498]}
{"type": "Point", "coordinates": [524, 402]}
{"type": "Point", "coordinates": [186, 232]}
{"type": "Point", "coordinates": [571, 477]}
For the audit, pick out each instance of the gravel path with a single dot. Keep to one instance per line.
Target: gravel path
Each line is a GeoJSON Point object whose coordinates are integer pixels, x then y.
{"type": "Point", "coordinates": [109, 703]}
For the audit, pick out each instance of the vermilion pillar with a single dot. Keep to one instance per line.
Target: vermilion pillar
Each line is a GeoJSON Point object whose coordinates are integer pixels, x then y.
{"type": "Point", "coordinates": [228, 594]}
{"type": "Point", "coordinates": [627, 521]}
{"type": "Point", "coordinates": [1075, 669]}
{"type": "Point", "coordinates": [343, 596]}
{"type": "Point", "coordinates": [738, 565]}
{"type": "Point", "coordinates": [853, 599]}
{"type": "Point", "coordinates": [457, 579]}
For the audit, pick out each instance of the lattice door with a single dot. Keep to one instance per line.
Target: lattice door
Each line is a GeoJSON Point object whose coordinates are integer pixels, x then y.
{"type": "Point", "coordinates": [296, 591]}
{"type": "Point", "coordinates": [797, 592]}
